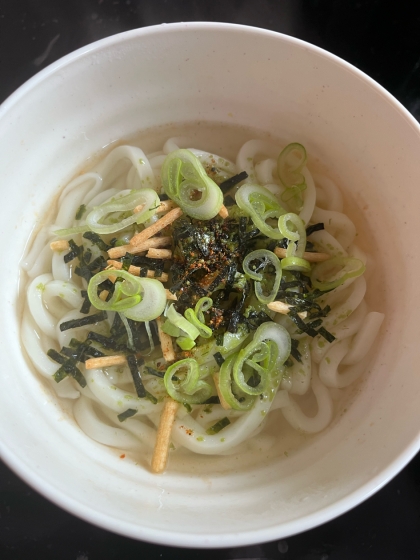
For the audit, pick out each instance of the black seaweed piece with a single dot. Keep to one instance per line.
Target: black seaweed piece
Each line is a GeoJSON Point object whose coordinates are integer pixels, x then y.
{"type": "Point", "coordinates": [219, 359]}
{"type": "Point", "coordinates": [138, 260]}
{"type": "Point", "coordinates": [107, 342]}
{"type": "Point", "coordinates": [89, 320]}
{"type": "Point", "coordinates": [151, 397]}
{"type": "Point", "coordinates": [164, 196]}
{"type": "Point", "coordinates": [74, 252]}
{"type": "Point", "coordinates": [289, 361]}
{"type": "Point", "coordinates": [216, 428]}
{"type": "Point", "coordinates": [56, 356]}
{"type": "Point", "coordinates": [80, 211]}
{"type": "Point", "coordinates": [84, 272]}
{"type": "Point", "coordinates": [143, 272]}
{"type": "Point", "coordinates": [87, 348]}
{"type": "Point", "coordinates": [326, 334]}
{"type": "Point", "coordinates": [135, 374]}
{"type": "Point", "coordinates": [70, 256]}
{"type": "Point", "coordinates": [126, 414]}
{"type": "Point", "coordinates": [95, 239]}
{"type": "Point", "coordinates": [86, 303]}
{"type": "Point", "coordinates": [232, 181]}
{"type": "Point", "coordinates": [69, 368]}
{"type": "Point", "coordinates": [315, 324]}
{"type": "Point", "coordinates": [255, 319]}
{"type": "Point", "coordinates": [219, 339]}
{"type": "Point", "coordinates": [99, 262]}
{"type": "Point", "coordinates": [211, 400]}
{"type": "Point", "coordinates": [229, 201]}
{"type": "Point", "coordinates": [301, 324]}
{"type": "Point", "coordinates": [314, 228]}
{"type": "Point", "coordinates": [155, 372]}
{"type": "Point", "coordinates": [243, 223]}
{"type": "Point", "coordinates": [127, 261]}
{"type": "Point", "coordinates": [294, 350]}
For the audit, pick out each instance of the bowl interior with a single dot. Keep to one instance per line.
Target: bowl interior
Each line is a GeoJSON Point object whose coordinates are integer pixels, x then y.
{"type": "Point", "coordinates": [221, 84]}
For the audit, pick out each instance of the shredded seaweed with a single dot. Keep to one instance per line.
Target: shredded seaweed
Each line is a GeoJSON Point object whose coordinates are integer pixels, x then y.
{"type": "Point", "coordinates": [86, 305]}
{"type": "Point", "coordinates": [135, 374]}
{"type": "Point", "coordinates": [232, 181]}
{"type": "Point", "coordinates": [314, 228]}
{"type": "Point", "coordinates": [89, 320]}
{"type": "Point", "coordinates": [218, 358]}
{"type": "Point", "coordinates": [126, 414]}
{"type": "Point", "coordinates": [80, 211]}
{"type": "Point", "coordinates": [326, 334]}
{"type": "Point", "coordinates": [216, 428]}
{"type": "Point", "coordinates": [295, 351]}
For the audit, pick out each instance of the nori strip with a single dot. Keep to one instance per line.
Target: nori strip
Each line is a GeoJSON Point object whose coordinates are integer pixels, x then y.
{"type": "Point", "coordinates": [216, 428]}
{"type": "Point", "coordinates": [314, 228]}
{"type": "Point", "coordinates": [86, 303]}
{"type": "Point", "coordinates": [294, 350]}
{"type": "Point", "coordinates": [127, 260]}
{"type": "Point", "coordinates": [70, 369]}
{"type": "Point", "coordinates": [135, 374]}
{"type": "Point", "coordinates": [211, 400]}
{"type": "Point", "coordinates": [56, 356]}
{"type": "Point", "coordinates": [89, 320]}
{"type": "Point", "coordinates": [88, 350]}
{"type": "Point", "coordinates": [301, 324]}
{"type": "Point", "coordinates": [218, 358]}
{"type": "Point", "coordinates": [80, 211]}
{"type": "Point", "coordinates": [107, 342]}
{"type": "Point", "coordinates": [326, 334]}
{"type": "Point", "coordinates": [232, 181]}
{"type": "Point", "coordinates": [95, 239]}
{"type": "Point", "coordinates": [126, 414]}
{"type": "Point", "coordinates": [163, 196]}
{"type": "Point", "coordinates": [229, 201]}
{"type": "Point", "coordinates": [155, 372]}
{"type": "Point", "coordinates": [74, 252]}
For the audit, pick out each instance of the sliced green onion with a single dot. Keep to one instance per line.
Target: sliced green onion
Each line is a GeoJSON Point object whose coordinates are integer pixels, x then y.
{"type": "Point", "coordinates": [261, 205]}
{"type": "Point", "coordinates": [183, 383]}
{"type": "Point", "coordinates": [329, 274]}
{"type": "Point", "coordinates": [267, 257]}
{"type": "Point", "coordinates": [295, 263]}
{"type": "Point", "coordinates": [233, 395]}
{"type": "Point", "coordinates": [203, 329]}
{"type": "Point", "coordinates": [185, 343]}
{"type": "Point", "coordinates": [140, 299]}
{"type": "Point", "coordinates": [186, 182]}
{"type": "Point", "coordinates": [179, 321]}
{"type": "Point", "coordinates": [202, 305]}
{"type": "Point", "coordinates": [261, 357]}
{"type": "Point", "coordinates": [111, 216]}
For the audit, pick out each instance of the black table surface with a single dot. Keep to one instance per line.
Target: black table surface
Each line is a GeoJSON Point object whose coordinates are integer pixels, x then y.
{"type": "Point", "coordinates": [383, 40]}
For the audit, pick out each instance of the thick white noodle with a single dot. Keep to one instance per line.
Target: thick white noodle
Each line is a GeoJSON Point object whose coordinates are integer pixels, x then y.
{"type": "Point", "coordinates": [307, 424]}
{"type": "Point", "coordinates": [331, 197]}
{"type": "Point", "coordinates": [53, 297]}
{"type": "Point", "coordinates": [99, 431]}
{"type": "Point", "coordinates": [337, 224]}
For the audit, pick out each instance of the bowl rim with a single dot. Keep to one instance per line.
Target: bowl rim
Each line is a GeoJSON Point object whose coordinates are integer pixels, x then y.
{"type": "Point", "coordinates": [200, 540]}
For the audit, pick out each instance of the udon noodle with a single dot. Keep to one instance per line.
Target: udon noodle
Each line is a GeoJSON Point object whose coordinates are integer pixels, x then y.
{"type": "Point", "coordinates": [324, 320]}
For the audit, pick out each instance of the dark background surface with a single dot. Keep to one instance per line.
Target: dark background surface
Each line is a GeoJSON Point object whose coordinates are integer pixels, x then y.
{"type": "Point", "coordinates": [381, 39]}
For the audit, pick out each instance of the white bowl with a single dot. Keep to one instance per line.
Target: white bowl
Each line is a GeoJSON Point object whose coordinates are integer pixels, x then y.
{"type": "Point", "coordinates": [239, 76]}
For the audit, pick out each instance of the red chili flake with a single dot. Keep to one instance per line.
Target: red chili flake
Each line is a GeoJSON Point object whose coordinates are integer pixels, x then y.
{"type": "Point", "coordinates": [122, 456]}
